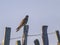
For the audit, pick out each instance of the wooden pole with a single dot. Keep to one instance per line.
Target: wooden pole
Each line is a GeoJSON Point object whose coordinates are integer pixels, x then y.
{"type": "Point", "coordinates": [45, 35]}
{"type": "Point", "coordinates": [58, 37]}
{"type": "Point", "coordinates": [7, 36]}
{"type": "Point", "coordinates": [18, 42]}
{"type": "Point", "coordinates": [36, 42]}
{"type": "Point", "coordinates": [25, 33]}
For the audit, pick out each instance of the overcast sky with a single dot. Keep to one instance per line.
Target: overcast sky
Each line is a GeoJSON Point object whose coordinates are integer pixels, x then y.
{"type": "Point", "coordinates": [41, 12]}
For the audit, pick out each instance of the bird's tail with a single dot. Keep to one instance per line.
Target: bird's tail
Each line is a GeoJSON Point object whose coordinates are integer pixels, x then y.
{"type": "Point", "coordinates": [18, 28]}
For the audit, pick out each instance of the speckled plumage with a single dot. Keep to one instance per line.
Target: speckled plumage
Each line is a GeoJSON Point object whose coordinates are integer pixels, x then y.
{"type": "Point", "coordinates": [23, 22]}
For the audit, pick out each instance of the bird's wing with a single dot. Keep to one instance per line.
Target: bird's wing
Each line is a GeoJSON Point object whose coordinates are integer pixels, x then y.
{"type": "Point", "coordinates": [20, 25]}
{"type": "Point", "coordinates": [23, 22]}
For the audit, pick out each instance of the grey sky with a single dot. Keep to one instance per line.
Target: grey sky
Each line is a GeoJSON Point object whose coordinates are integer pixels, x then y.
{"type": "Point", "coordinates": [41, 12]}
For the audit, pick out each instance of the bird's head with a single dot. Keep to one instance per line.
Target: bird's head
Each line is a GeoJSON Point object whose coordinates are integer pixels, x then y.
{"type": "Point", "coordinates": [27, 16]}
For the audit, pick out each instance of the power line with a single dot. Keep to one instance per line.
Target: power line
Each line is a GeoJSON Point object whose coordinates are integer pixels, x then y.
{"type": "Point", "coordinates": [15, 38]}
{"type": "Point", "coordinates": [33, 35]}
{"type": "Point", "coordinates": [41, 34]}
{"type": "Point", "coordinates": [51, 33]}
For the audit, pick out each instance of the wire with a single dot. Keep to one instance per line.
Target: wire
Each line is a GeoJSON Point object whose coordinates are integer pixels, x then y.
{"type": "Point", "coordinates": [33, 35]}
{"type": "Point", "coordinates": [15, 38]}
{"type": "Point", "coordinates": [41, 34]}
{"type": "Point", "coordinates": [51, 33]}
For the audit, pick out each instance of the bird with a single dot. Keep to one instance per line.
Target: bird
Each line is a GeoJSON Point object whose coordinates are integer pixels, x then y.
{"type": "Point", "coordinates": [23, 22]}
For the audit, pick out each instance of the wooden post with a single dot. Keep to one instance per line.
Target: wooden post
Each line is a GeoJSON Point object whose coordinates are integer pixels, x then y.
{"type": "Point", "coordinates": [7, 36]}
{"type": "Point", "coordinates": [25, 33]}
{"type": "Point", "coordinates": [45, 35]}
{"type": "Point", "coordinates": [58, 37]}
{"type": "Point", "coordinates": [18, 42]}
{"type": "Point", "coordinates": [36, 42]}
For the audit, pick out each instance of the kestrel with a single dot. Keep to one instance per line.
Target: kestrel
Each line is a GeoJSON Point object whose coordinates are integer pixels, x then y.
{"type": "Point", "coordinates": [23, 22]}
